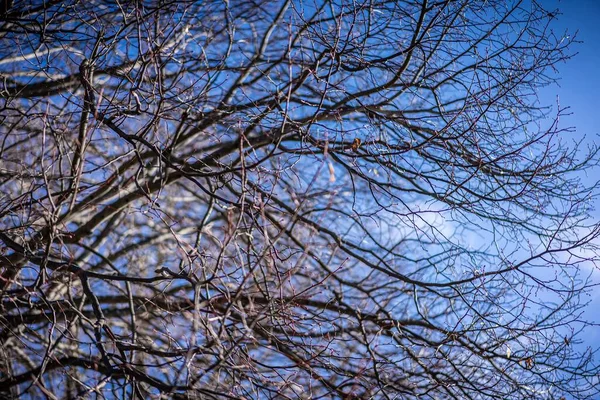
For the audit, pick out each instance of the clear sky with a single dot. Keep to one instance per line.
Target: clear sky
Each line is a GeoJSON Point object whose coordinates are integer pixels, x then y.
{"type": "Point", "coordinates": [580, 77]}
{"type": "Point", "coordinates": [579, 88]}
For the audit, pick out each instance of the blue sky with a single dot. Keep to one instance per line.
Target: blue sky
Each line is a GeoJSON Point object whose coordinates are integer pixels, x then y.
{"type": "Point", "coordinates": [579, 77]}
{"type": "Point", "coordinates": [579, 88]}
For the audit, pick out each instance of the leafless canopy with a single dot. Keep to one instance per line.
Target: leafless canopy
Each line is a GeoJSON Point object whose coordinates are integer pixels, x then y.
{"type": "Point", "coordinates": [289, 199]}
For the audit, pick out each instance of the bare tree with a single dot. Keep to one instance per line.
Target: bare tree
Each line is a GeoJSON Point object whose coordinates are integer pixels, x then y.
{"type": "Point", "coordinates": [285, 199]}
